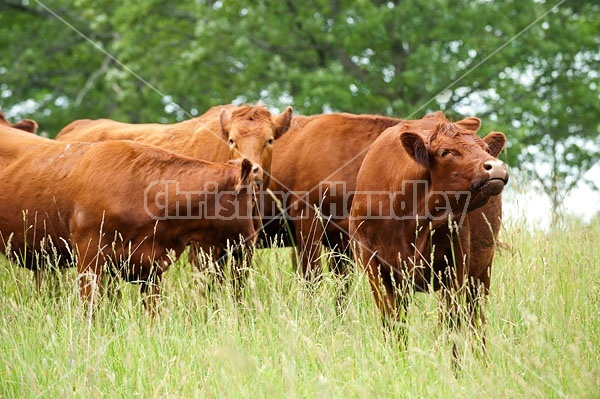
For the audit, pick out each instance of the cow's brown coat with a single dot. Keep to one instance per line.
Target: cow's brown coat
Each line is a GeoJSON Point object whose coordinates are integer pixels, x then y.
{"type": "Point", "coordinates": [223, 133]}
{"type": "Point", "coordinates": [319, 149]}
{"type": "Point", "coordinates": [101, 201]}
{"type": "Point", "coordinates": [402, 253]}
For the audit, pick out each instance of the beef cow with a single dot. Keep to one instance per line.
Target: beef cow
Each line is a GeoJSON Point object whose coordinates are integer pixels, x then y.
{"type": "Point", "coordinates": [223, 133]}
{"type": "Point", "coordinates": [427, 211]}
{"type": "Point", "coordinates": [314, 174]}
{"type": "Point", "coordinates": [26, 125]}
{"type": "Point", "coordinates": [121, 206]}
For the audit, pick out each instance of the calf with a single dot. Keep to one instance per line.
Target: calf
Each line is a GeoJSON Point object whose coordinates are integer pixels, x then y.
{"type": "Point", "coordinates": [116, 206]}
{"type": "Point", "coordinates": [224, 132]}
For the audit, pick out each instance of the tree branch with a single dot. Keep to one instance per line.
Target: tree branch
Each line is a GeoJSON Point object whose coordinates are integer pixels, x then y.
{"type": "Point", "coordinates": [92, 78]}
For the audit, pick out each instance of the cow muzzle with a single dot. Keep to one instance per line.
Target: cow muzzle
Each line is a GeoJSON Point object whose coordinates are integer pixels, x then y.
{"type": "Point", "coordinates": [497, 177]}
{"type": "Point", "coordinates": [497, 170]}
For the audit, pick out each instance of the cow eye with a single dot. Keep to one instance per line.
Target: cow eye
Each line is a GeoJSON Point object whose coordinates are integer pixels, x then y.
{"type": "Point", "coordinates": [270, 141]}
{"type": "Point", "coordinates": [444, 153]}
{"type": "Point", "coordinates": [231, 142]}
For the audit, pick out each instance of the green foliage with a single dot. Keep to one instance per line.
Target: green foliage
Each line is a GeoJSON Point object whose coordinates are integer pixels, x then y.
{"type": "Point", "coordinates": [525, 67]}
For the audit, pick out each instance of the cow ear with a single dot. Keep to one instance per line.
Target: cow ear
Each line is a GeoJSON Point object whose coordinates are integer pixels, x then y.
{"type": "Point", "coordinates": [415, 147]}
{"type": "Point", "coordinates": [246, 178]}
{"type": "Point", "coordinates": [496, 142]}
{"type": "Point", "coordinates": [471, 123]}
{"type": "Point", "coordinates": [282, 122]}
{"type": "Point", "coordinates": [225, 121]}
{"type": "Point", "coordinates": [27, 125]}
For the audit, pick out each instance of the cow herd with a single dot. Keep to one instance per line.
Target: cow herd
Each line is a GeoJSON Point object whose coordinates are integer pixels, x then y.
{"type": "Point", "coordinates": [416, 203]}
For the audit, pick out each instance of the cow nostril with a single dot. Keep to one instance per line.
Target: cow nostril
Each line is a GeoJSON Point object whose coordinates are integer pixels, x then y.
{"type": "Point", "coordinates": [487, 166]}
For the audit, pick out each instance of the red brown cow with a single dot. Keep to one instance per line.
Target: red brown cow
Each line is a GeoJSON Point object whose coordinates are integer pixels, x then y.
{"type": "Point", "coordinates": [223, 133]}
{"type": "Point", "coordinates": [26, 125]}
{"type": "Point", "coordinates": [121, 205]}
{"type": "Point", "coordinates": [315, 165]}
{"type": "Point", "coordinates": [420, 214]}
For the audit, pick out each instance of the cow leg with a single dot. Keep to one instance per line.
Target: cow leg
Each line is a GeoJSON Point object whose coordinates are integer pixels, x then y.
{"type": "Point", "coordinates": [222, 264]}
{"type": "Point", "coordinates": [223, 259]}
{"type": "Point", "coordinates": [392, 299]}
{"type": "Point", "coordinates": [340, 256]}
{"type": "Point", "coordinates": [226, 265]}
{"type": "Point", "coordinates": [477, 290]}
{"type": "Point", "coordinates": [454, 285]}
{"type": "Point", "coordinates": [476, 285]}
{"type": "Point", "coordinates": [309, 232]}
{"type": "Point", "coordinates": [216, 265]}
{"type": "Point", "coordinates": [210, 261]}
{"type": "Point", "coordinates": [451, 292]}
{"type": "Point", "coordinates": [195, 256]}
{"type": "Point", "coordinates": [199, 255]}
{"type": "Point", "coordinates": [240, 266]}
{"type": "Point", "coordinates": [340, 262]}
{"type": "Point", "coordinates": [230, 264]}
{"type": "Point", "coordinates": [451, 313]}
{"type": "Point", "coordinates": [340, 266]}
{"type": "Point", "coordinates": [484, 226]}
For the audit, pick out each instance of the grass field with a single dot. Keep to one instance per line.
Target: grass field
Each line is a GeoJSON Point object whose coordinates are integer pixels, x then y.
{"type": "Point", "coordinates": [286, 341]}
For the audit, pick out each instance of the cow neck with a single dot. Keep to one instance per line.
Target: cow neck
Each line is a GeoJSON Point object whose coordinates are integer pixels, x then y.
{"type": "Point", "coordinates": [186, 178]}
{"type": "Point", "coordinates": [205, 181]}
{"type": "Point", "coordinates": [197, 201]}
{"type": "Point", "coordinates": [424, 209]}
{"type": "Point", "coordinates": [409, 204]}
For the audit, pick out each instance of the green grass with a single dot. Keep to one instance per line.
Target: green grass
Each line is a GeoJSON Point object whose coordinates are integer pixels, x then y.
{"type": "Point", "coordinates": [286, 341]}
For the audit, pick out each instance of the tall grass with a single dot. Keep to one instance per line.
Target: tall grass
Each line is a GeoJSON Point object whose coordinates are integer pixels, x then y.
{"type": "Point", "coordinates": [285, 339]}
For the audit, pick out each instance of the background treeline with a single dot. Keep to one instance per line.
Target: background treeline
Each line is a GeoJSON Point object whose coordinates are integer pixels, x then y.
{"type": "Point", "coordinates": [528, 68]}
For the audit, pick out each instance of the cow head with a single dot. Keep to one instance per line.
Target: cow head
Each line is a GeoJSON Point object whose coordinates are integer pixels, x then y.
{"type": "Point", "coordinates": [250, 132]}
{"type": "Point", "coordinates": [458, 161]}
{"type": "Point", "coordinates": [238, 206]}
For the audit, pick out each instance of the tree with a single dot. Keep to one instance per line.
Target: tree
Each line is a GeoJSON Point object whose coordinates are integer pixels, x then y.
{"type": "Point", "coordinates": [555, 107]}
{"type": "Point", "coordinates": [525, 67]}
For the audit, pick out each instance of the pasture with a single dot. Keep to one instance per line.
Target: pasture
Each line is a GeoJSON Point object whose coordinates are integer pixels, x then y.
{"type": "Point", "coordinates": [286, 340]}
